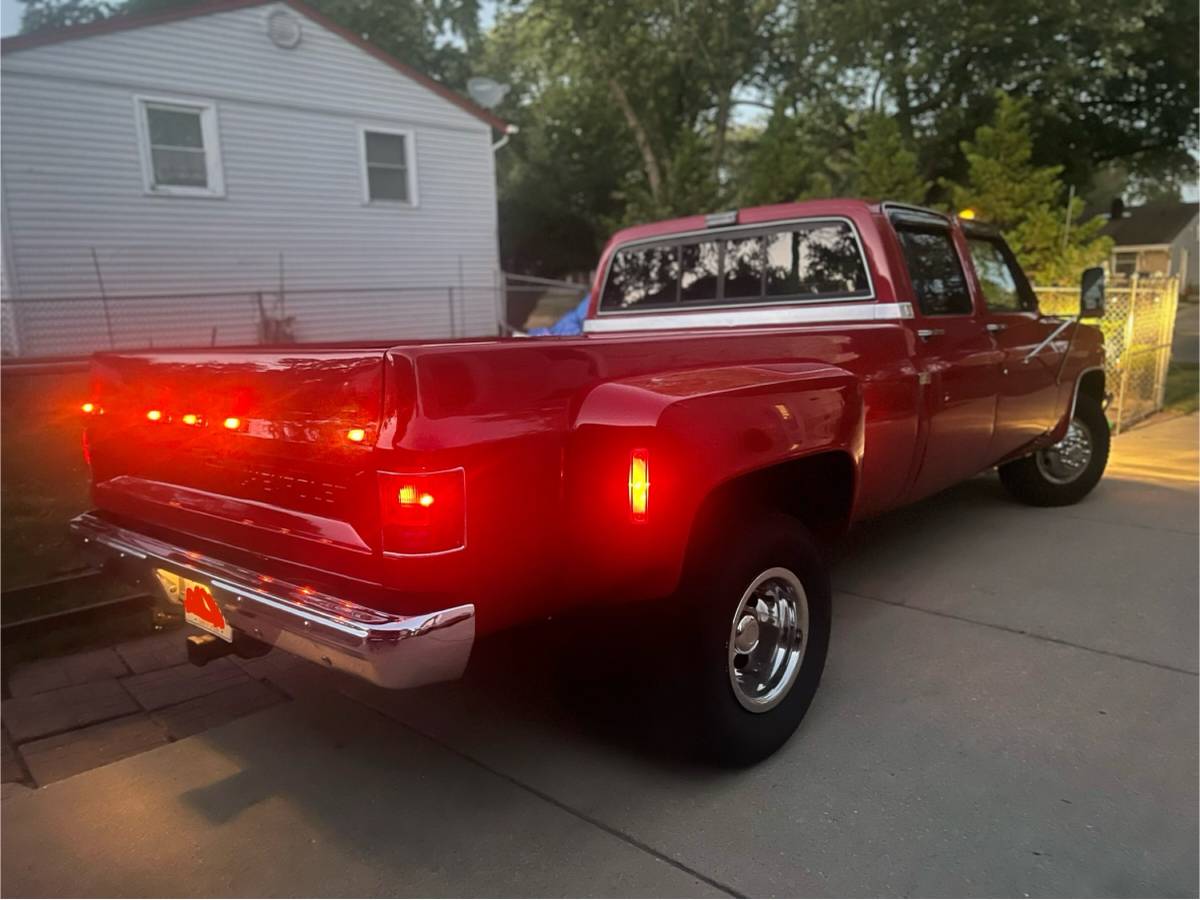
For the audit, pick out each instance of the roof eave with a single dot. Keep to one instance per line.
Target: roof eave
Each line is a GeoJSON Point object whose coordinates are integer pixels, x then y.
{"type": "Point", "coordinates": [117, 24]}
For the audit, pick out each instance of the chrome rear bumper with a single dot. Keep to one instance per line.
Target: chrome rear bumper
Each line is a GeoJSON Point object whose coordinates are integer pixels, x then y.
{"type": "Point", "coordinates": [394, 651]}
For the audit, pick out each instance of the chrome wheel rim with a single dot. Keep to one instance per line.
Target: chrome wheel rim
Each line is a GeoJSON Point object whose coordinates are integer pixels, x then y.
{"type": "Point", "coordinates": [1065, 461]}
{"type": "Point", "coordinates": [767, 639]}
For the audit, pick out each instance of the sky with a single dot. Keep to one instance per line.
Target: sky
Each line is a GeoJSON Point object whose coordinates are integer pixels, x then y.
{"type": "Point", "coordinates": [10, 17]}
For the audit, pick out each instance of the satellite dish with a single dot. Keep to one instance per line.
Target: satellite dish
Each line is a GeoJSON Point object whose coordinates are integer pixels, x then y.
{"type": "Point", "coordinates": [487, 92]}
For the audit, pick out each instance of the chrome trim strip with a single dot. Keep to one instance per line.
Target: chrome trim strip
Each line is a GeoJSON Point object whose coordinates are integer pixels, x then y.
{"type": "Point", "coordinates": [392, 650]}
{"type": "Point", "coordinates": [1078, 382]}
{"type": "Point", "coordinates": [784, 315]}
{"type": "Point", "coordinates": [1042, 346]}
{"type": "Point", "coordinates": [733, 231]}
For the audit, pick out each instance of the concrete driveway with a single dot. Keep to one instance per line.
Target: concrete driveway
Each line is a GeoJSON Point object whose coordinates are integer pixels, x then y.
{"type": "Point", "coordinates": [1010, 708]}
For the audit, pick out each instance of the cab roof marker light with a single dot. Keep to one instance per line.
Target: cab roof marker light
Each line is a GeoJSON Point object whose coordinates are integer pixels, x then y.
{"type": "Point", "coordinates": [89, 407]}
{"type": "Point", "coordinates": [190, 419]}
{"type": "Point", "coordinates": [155, 415]}
{"type": "Point", "coordinates": [233, 423]}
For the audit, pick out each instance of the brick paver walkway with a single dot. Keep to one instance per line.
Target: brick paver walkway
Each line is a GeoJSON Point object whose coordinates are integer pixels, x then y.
{"type": "Point", "coordinates": [69, 714]}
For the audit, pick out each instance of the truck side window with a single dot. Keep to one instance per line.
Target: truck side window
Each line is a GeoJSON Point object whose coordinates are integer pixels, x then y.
{"type": "Point", "coordinates": [1003, 288]}
{"type": "Point", "coordinates": [642, 276]}
{"type": "Point", "coordinates": [936, 273]}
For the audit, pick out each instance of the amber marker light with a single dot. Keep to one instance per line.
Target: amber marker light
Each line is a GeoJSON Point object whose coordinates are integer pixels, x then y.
{"type": "Point", "coordinates": [356, 435]}
{"type": "Point", "coordinates": [190, 419]}
{"type": "Point", "coordinates": [233, 423]}
{"type": "Point", "coordinates": [154, 415]}
{"type": "Point", "coordinates": [967, 214]}
{"type": "Point", "coordinates": [639, 484]}
{"type": "Point", "coordinates": [408, 495]}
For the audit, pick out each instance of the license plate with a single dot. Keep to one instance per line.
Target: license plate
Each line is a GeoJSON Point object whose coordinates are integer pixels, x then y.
{"type": "Point", "coordinates": [199, 606]}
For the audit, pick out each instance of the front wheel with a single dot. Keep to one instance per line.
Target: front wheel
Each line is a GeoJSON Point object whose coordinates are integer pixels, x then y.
{"type": "Point", "coordinates": [1066, 472]}
{"type": "Point", "coordinates": [760, 606]}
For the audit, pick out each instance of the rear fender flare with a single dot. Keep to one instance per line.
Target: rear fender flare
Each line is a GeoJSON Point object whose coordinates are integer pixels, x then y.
{"type": "Point", "coordinates": [703, 428]}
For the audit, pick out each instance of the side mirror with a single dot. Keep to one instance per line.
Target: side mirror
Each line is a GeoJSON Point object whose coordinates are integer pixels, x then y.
{"type": "Point", "coordinates": [1091, 293]}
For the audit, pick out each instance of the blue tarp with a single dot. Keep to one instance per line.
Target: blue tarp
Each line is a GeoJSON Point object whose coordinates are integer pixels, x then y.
{"type": "Point", "coordinates": [571, 323]}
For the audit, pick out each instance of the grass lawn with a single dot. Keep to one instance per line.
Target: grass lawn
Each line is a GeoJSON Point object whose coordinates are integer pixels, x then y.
{"type": "Point", "coordinates": [45, 484]}
{"type": "Point", "coordinates": [1183, 388]}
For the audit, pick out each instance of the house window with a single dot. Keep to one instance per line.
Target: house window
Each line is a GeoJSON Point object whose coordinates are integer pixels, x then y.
{"type": "Point", "coordinates": [388, 167]}
{"type": "Point", "coordinates": [1125, 264]}
{"type": "Point", "coordinates": [180, 151]}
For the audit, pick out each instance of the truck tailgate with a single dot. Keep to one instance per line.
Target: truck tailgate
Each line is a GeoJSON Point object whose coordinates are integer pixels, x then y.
{"type": "Point", "coordinates": [268, 452]}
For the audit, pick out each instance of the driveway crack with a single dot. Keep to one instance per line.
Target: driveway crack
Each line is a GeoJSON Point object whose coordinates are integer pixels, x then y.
{"type": "Point", "coordinates": [1020, 631]}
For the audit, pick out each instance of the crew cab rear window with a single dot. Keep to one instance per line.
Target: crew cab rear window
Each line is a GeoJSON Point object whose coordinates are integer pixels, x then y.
{"type": "Point", "coordinates": [818, 260]}
{"type": "Point", "coordinates": [936, 273]}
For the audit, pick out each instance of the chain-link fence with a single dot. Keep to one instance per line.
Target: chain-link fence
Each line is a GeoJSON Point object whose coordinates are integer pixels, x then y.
{"type": "Point", "coordinates": [1138, 325]}
{"type": "Point", "coordinates": [80, 324]}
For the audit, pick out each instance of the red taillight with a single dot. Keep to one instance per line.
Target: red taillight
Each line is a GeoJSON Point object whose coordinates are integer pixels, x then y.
{"type": "Point", "coordinates": [639, 485]}
{"type": "Point", "coordinates": [422, 513]}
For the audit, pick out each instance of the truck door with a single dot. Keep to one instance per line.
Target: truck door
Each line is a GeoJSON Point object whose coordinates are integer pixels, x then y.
{"type": "Point", "coordinates": [1029, 369]}
{"type": "Point", "coordinates": [956, 357]}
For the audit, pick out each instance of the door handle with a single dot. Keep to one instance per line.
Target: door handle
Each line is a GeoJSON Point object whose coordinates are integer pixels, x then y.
{"type": "Point", "coordinates": [927, 333]}
{"type": "Point", "coordinates": [994, 327]}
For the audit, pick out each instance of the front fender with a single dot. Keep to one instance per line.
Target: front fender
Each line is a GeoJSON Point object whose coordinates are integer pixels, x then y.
{"type": "Point", "coordinates": [701, 428]}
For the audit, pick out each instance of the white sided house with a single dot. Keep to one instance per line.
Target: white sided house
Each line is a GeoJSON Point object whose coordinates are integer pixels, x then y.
{"type": "Point", "coordinates": [238, 173]}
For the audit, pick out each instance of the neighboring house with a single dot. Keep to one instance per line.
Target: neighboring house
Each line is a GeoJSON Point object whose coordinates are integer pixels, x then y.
{"type": "Point", "coordinates": [1159, 238]}
{"type": "Point", "coordinates": [227, 151]}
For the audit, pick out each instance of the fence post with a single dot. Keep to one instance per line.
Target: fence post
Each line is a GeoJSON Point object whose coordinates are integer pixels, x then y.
{"type": "Point", "coordinates": [1127, 352]}
{"type": "Point", "coordinates": [1165, 336]}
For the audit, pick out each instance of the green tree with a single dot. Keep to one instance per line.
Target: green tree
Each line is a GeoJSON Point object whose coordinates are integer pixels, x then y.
{"type": "Point", "coordinates": [37, 15]}
{"type": "Point", "coordinates": [884, 166]}
{"type": "Point", "coordinates": [1109, 79]}
{"type": "Point", "coordinates": [1006, 188]}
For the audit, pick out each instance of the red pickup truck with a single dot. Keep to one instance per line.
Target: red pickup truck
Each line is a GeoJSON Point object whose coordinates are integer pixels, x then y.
{"type": "Point", "coordinates": [748, 385]}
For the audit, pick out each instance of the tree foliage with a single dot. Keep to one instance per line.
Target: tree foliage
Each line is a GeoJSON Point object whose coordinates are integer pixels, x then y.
{"type": "Point", "coordinates": [1005, 187]}
{"type": "Point", "coordinates": [885, 166]}
{"type": "Point", "coordinates": [37, 15]}
{"type": "Point", "coordinates": [638, 109]}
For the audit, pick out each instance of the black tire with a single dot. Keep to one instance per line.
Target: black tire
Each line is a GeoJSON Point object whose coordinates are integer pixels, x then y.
{"type": "Point", "coordinates": [719, 573]}
{"type": "Point", "coordinates": [1030, 481]}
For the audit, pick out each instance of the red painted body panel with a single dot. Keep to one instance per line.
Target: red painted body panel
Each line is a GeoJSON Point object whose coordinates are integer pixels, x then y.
{"type": "Point", "coordinates": [543, 430]}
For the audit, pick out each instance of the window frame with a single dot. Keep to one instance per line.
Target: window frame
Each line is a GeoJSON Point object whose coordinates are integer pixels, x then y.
{"type": "Point", "coordinates": [734, 232]}
{"type": "Point", "coordinates": [410, 166]}
{"type": "Point", "coordinates": [209, 134]}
